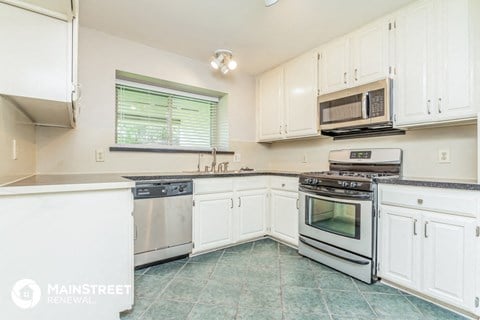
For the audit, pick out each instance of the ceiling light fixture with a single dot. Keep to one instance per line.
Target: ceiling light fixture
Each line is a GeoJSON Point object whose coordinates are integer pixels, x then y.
{"type": "Point", "coordinates": [269, 3]}
{"type": "Point", "coordinates": [223, 60]}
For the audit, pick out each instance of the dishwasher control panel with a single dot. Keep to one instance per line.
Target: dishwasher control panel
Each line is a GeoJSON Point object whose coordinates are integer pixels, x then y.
{"type": "Point", "coordinates": [161, 189]}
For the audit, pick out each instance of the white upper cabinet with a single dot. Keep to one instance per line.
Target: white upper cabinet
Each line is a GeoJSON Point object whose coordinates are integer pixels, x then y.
{"type": "Point", "coordinates": [334, 66]}
{"type": "Point", "coordinates": [370, 53]}
{"type": "Point", "coordinates": [270, 105]}
{"type": "Point", "coordinates": [301, 96]}
{"type": "Point", "coordinates": [435, 62]}
{"type": "Point", "coordinates": [355, 59]}
{"type": "Point", "coordinates": [38, 62]}
{"type": "Point", "coordinates": [287, 100]}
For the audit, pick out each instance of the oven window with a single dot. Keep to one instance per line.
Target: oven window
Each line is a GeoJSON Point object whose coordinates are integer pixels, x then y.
{"type": "Point", "coordinates": [333, 216]}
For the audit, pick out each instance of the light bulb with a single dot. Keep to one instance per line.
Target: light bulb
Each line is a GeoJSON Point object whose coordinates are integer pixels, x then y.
{"type": "Point", "coordinates": [217, 62]}
{"type": "Point", "coordinates": [224, 69]}
{"type": "Point", "coordinates": [269, 3]}
{"type": "Point", "coordinates": [232, 64]}
{"type": "Point", "coordinates": [214, 64]}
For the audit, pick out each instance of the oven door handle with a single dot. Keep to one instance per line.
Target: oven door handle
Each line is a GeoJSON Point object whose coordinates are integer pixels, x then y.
{"type": "Point", "coordinates": [315, 192]}
{"type": "Point", "coordinates": [312, 244]}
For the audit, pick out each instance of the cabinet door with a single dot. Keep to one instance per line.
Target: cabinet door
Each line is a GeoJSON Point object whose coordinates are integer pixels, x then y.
{"type": "Point", "coordinates": [301, 117]}
{"type": "Point", "coordinates": [284, 215]}
{"type": "Point", "coordinates": [270, 105]}
{"type": "Point", "coordinates": [334, 66]}
{"type": "Point", "coordinates": [454, 94]}
{"type": "Point", "coordinates": [413, 92]}
{"type": "Point", "coordinates": [252, 206]}
{"type": "Point", "coordinates": [449, 259]}
{"type": "Point", "coordinates": [399, 245]}
{"type": "Point", "coordinates": [212, 215]}
{"type": "Point", "coordinates": [370, 53]}
{"type": "Point", "coordinates": [35, 55]}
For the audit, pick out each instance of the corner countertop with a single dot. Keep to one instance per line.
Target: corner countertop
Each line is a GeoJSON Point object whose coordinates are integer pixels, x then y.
{"type": "Point", "coordinates": [461, 184]}
{"type": "Point", "coordinates": [84, 182]}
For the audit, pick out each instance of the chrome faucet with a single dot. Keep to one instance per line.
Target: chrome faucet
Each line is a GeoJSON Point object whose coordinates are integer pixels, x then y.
{"type": "Point", "coordinates": [214, 161]}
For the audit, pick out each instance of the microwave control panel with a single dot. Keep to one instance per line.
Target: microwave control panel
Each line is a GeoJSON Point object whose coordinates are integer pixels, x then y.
{"type": "Point", "coordinates": [376, 101]}
{"type": "Point", "coordinates": [360, 154]}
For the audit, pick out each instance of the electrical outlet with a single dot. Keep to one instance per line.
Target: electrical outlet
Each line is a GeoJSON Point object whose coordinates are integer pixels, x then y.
{"type": "Point", "coordinates": [237, 157]}
{"type": "Point", "coordinates": [14, 149]}
{"type": "Point", "coordinates": [100, 155]}
{"type": "Point", "coordinates": [443, 155]}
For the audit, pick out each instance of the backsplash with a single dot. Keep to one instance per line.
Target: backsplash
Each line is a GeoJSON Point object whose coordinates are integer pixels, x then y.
{"type": "Point", "coordinates": [420, 152]}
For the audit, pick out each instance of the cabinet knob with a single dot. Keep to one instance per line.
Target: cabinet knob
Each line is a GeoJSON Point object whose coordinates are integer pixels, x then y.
{"type": "Point", "coordinates": [283, 185]}
{"type": "Point", "coordinates": [419, 201]}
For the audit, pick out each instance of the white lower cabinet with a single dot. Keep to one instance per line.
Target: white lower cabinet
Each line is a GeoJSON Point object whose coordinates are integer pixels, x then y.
{"type": "Point", "coordinates": [251, 214]}
{"type": "Point", "coordinates": [400, 246]}
{"type": "Point", "coordinates": [284, 215]}
{"type": "Point", "coordinates": [449, 259]}
{"type": "Point", "coordinates": [429, 251]}
{"type": "Point", "coordinates": [212, 214]}
{"type": "Point", "coordinates": [231, 210]}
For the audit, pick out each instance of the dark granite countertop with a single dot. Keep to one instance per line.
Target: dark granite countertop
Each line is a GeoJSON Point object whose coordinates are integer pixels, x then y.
{"type": "Point", "coordinates": [432, 182]}
{"type": "Point", "coordinates": [201, 175]}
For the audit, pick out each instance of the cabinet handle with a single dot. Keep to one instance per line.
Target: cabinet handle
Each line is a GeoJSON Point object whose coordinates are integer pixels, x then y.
{"type": "Point", "coordinates": [135, 233]}
{"type": "Point", "coordinates": [345, 78]}
{"type": "Point", "coordinates": [425, 230]}
{"type": "Point", "coordinates": [439, 105]}
{"type": "Point", "coordinates": [231, 199]}
{"type": "Point", "coordinates": [356, 74]}
{"type": "Point", "coordinates": [428, 106]}
{"type": "Point", "coordinates": [286, 129]}
{"type": "Point", "coordinates": [415, 227]}
{"type": "Point", "coordinates": [239, 202]}
{"type": "Point", "coordinates": [280, 131]}
{"type": "Point", "coordinates": [298, 204]}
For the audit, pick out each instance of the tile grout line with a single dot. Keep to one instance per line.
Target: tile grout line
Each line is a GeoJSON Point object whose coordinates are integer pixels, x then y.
{"type": "Point", "coordinates": [364, 298]}
{"type": "Point", "coordinates": [324, 299]}
{"type": "Point", "coordinates": [161, 292]}
{"type": "Point", "coordinates": [206, 283]}
{"type": "Point", "coordinates": [244, 280]}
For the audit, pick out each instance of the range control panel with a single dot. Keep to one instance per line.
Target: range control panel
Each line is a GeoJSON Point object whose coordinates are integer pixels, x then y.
{"type": "Point", "coordinates": [159, 189]}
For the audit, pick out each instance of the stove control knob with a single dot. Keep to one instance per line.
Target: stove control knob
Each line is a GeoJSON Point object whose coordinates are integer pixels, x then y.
{"type": "Point", "coordinates": [345, 184]}
{"type": "Point", "coordinates": [308, 180]}
{"type": "Point", "coordinates": [353, 184]}
{"type": "Point", "coordinates": [314, 181]}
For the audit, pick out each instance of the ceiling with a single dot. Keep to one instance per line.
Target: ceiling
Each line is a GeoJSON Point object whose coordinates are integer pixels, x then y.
{"type": "Point", "coordinates": [259, 37]}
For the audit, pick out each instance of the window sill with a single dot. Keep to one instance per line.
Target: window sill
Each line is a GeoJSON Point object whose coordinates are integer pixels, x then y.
{"type": "Point", "coordinates": [164, 150]}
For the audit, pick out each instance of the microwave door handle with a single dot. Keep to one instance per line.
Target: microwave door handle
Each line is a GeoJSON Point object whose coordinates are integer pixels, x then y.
{"type": "Point", "coordinates": [364, 105]}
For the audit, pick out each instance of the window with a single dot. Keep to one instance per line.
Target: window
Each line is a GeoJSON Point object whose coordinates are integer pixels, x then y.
{"type": "Point", "coordinates": [159, 117]}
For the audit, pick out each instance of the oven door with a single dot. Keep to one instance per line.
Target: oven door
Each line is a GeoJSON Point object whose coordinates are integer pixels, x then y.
{"type": "Point", "coordinates": [340, 221]}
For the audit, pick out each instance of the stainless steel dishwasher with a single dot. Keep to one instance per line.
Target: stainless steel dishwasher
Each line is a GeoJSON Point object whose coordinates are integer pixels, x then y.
{"type": "Point", "coordinates": [163, 220]}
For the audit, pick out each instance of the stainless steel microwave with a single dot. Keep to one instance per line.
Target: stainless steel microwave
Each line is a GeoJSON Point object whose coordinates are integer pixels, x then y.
{"type": "Point", "coordinates": [363, 106]}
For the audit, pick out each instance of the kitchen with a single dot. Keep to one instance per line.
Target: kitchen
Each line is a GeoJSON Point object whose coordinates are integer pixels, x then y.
{"type": "Point", "coordinates": [79, 170]}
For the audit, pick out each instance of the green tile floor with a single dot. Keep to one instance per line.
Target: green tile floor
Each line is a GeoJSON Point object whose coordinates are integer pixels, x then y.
{"type": "Point", "coordinates": [266, 280]}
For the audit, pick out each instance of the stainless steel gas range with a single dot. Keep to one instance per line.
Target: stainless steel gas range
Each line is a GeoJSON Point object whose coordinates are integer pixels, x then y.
{"type": "Point", "coordinates": [338, 223]}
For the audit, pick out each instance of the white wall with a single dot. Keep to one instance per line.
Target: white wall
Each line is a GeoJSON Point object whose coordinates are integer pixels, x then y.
{"type": "Point", "coordinates": [71, 151]}
{"type": "Point", "coordinates": [15, 125]}
{"type": "Point", "coordinates": [62, 151]}
{"type": "Point", "coordinates": [420, 152]}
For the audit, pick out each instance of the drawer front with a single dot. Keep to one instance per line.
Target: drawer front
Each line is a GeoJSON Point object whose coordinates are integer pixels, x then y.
{"type": "Point", "coordinates": [450, 201]}
{"type": "Point", "coordinates": [284, 183]}
{"type": "Point", "coordinates": [250, 183]}
{"type": "Point", "coordinates": [215, 185]}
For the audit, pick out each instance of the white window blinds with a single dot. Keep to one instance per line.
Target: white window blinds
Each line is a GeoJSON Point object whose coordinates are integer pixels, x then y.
{"type": "Point", "coordinates": [173, 119]}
